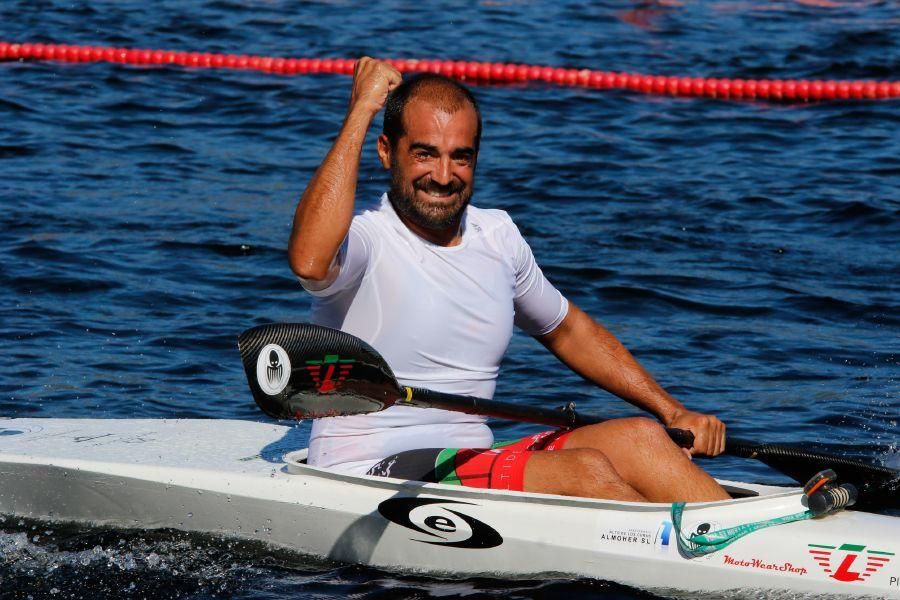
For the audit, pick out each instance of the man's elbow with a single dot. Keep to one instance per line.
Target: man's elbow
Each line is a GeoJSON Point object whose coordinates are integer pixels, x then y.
{"type": "Point", "coordinates": [308, 268]}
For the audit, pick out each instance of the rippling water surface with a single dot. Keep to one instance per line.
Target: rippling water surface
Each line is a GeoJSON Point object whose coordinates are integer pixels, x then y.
{"type": "Point", "coordinates": [747, 253]}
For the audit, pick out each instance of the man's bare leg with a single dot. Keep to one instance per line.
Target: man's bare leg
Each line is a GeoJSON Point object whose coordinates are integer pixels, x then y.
{"type": "Point", "coordinates": [637, 461]}
{"type": "Point", "coordinates": [577, 472]}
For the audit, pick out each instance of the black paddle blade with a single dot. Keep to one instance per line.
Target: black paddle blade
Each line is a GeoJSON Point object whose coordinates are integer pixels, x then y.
{"type": "Point", "coordinates": [305, 371]}
{"type": "Point", "coordinates": [879, 487]}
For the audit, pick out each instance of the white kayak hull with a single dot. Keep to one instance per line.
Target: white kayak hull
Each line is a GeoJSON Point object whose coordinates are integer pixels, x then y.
{"type": "Point", "coordinates": [230, 478]}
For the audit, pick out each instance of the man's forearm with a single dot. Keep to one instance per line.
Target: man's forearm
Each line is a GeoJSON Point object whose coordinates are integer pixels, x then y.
{"type": "Point", "coordinates": [325, 210]}
{"type": "Point", "coordinates": [593, 352]}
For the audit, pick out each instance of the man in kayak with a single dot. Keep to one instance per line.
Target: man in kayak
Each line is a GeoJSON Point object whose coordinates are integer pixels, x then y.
{"type": "Point", "coordinates": [436, 285]}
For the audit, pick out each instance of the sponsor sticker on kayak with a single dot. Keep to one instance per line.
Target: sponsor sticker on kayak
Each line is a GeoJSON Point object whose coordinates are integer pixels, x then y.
{"type": "Point", "coordinates": [663, 536]}
{"type": "Point", "coordinates": [442, 521]}
{"type": "Point", "coordinates": [631, 535]}
{"type": "Point", "coordinates": [850, 562]}
{"type": "Point", "coordinates": [758, 563]}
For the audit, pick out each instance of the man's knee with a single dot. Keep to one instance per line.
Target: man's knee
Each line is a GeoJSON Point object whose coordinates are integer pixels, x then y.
{"type": "Point", "coordinates": [647, 431]}
{"type": "Point", "coordinates": [632, 433]}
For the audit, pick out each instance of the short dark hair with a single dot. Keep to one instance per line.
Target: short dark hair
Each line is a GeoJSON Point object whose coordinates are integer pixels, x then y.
{"type": "Point", "coordinates": [448, 93]}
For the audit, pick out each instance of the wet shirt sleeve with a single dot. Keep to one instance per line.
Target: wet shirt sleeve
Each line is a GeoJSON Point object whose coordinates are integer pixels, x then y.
{"type": "Point", "coordinates": [539, 306]}
{"type": "Point", "coordinates": [352, 259]}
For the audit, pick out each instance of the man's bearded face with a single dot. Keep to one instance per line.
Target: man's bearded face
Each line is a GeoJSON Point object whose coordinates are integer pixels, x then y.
{"type": "Point", "coordinates": [433, 165]}
{"type": "Point", "coordinates": [427, 203]}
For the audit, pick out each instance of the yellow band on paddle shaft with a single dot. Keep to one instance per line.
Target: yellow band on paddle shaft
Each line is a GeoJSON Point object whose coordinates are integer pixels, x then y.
{"type": "Point", "coordinates": [408, 394]}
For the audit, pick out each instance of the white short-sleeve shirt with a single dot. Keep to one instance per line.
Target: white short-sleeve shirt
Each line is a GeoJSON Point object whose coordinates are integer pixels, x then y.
{"type": "Point", "coordinates": [442, 318]}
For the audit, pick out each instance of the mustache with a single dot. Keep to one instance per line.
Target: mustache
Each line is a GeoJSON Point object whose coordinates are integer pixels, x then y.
{"type": "Point", "coordinates": [432, 187]}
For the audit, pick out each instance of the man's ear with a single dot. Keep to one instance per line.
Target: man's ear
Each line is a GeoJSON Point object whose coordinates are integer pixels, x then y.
{"type": "Point", "coordinates": [384, 151]}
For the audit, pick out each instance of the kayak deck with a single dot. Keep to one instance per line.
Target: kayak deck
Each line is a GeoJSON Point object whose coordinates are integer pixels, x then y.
{"type": "Point", "coordinates": [247, 480]}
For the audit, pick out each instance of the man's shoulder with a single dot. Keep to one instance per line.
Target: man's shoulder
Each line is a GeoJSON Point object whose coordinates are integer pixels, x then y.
{"type": "Point", "coordinates": [490, 220]}
{"type": "Point", "coordinates": [373, 217]}
{"type": "Point", "coordinates": [372, 211]}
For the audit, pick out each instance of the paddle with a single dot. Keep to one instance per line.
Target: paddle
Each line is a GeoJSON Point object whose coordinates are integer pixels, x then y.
{"type": "Point", "coordinates": [305, 371]}
{"type": "Point", "coordinates": [879, 487]}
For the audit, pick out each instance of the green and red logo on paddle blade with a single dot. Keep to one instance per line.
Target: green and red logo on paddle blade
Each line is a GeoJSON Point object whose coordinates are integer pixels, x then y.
{"type": "Point", "coordinates": [329, 372]}
{"type": "Point", "coordinates": [849, 562]}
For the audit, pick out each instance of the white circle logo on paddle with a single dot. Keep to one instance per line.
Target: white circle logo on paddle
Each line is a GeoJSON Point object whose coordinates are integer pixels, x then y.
{"type": "Point", "coordinates": [273, 369]}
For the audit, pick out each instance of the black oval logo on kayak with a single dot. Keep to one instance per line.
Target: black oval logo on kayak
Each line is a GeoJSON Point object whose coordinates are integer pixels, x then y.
{"type": "Point", "coordinates": [446, 526]}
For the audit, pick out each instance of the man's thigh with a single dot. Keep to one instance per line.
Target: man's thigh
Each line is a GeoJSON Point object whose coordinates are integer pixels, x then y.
{"type": "Point", "coordinates": [500, 467]}
{"type": "Point", "coordinates": [583, 472]}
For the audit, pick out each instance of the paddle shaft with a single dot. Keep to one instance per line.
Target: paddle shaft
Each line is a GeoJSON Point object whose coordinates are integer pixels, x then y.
{"type": "Point", "coordinates": [560, 417]}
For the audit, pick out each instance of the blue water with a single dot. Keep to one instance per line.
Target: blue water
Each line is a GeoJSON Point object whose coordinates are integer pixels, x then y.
{"type": "Point", "coordinates": [747, 253]}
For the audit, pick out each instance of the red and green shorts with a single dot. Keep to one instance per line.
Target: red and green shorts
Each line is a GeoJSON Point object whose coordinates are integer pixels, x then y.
{"type": "Point", "coordinates": [500, 467]}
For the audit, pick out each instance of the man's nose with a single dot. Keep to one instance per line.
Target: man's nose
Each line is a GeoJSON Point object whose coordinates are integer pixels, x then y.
{"type": "Point", "coordinates": [443, 171]}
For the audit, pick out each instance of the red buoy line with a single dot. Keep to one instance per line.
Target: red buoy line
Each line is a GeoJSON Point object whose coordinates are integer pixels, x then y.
{"type": "Point", "coordinates": [778, 90]}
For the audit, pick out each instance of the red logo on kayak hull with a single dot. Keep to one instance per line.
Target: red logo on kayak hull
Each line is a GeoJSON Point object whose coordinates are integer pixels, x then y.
{"type": "Point", "coordinates": [849, 562]}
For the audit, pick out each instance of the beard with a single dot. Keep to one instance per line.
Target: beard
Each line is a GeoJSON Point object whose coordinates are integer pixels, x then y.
{"type": "Point", "coordinates": [426, 214]}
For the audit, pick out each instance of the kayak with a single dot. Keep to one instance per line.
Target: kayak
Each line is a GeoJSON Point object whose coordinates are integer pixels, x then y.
{"type": "Point", "coordinates": [249, 480]}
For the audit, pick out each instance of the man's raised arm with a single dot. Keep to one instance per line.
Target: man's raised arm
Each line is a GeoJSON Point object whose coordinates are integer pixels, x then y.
{"type": "Point", "coordinates": [323, 215]}
{"type": "Point", "coordinates": [595, 354]}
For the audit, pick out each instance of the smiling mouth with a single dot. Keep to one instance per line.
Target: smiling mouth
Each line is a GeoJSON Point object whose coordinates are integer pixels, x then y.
{"type": "Point", "coordinates": [440, 196]}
